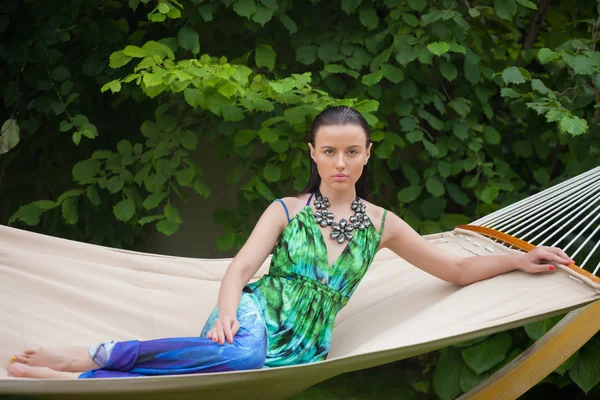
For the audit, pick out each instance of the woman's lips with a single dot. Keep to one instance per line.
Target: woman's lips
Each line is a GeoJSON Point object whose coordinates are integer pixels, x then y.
{"type": "Point", "coordinates": [340, 177]}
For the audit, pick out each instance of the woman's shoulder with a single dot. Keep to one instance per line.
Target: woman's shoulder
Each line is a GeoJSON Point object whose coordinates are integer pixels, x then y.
{"type": "Point", "coordinates": [375, 213]}
{"type": "Point", "coordinates": [295, 203]}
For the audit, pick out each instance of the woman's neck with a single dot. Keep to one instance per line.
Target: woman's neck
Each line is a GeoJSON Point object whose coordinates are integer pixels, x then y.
{"type": "Point", "coordinates": [337, 197]}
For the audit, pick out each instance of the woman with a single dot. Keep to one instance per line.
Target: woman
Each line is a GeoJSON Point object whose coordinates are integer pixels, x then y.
{"type": "Point", "coordinates": [287, 316]}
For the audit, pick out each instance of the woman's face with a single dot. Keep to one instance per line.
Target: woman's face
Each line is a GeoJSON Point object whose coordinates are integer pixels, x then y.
{"type": "Point", "coordinates": [340, 153]}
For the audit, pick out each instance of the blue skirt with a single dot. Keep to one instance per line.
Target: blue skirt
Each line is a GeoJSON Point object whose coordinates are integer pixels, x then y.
{"type": "Point", "coordinates": [190, 355]}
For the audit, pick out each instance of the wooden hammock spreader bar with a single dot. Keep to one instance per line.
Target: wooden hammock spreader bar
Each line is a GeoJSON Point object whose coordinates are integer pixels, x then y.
{"type": "Point", "coordinates": [543, 357]}
{"type": "Point", "coordinates": [523, 245]}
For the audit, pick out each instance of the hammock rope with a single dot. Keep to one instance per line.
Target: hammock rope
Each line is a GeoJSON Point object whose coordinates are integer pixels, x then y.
{"type": "Point", "coordinates": [565, 215]}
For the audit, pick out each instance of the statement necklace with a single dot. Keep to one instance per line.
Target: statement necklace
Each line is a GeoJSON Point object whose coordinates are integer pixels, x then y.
{"type": "Point", "coordinates": [343, 230]}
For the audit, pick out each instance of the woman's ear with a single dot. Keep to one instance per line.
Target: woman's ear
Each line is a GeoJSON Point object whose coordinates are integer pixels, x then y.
{"type": "Point", "coordinates": [368, 152]}
{"type": "Point", "coordinates": [312, 151]}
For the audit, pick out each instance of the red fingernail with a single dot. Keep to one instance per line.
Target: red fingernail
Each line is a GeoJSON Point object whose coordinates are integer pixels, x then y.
{"type": "Point", "coordinates": [551, 268]}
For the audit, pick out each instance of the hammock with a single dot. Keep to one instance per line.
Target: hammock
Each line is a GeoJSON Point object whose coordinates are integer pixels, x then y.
{"type": "Point", "coordinates": [60, 292]}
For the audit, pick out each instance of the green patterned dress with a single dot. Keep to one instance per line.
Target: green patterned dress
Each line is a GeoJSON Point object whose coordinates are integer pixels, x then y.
{"type": "Point", "coordinates": [301, 295]}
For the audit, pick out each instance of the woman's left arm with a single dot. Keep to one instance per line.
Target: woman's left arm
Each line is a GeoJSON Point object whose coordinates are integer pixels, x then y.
{"type": "Point", "coordinates": [399, 237]}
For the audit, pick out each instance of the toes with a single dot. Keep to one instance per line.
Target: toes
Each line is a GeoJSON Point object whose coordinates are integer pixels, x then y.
{"type": "Point", "coordinates": [17, 370]}
{"type": "Point", "coordinates": [21, 358]}
{"type": "Point", "coordinates": [32, 350]}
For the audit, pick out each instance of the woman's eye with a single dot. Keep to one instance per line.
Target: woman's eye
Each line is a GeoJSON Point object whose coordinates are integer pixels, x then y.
{"type": "Point", "coordinates": [328, 152]}
{"type": "Point", "coordinates": [352, 152]}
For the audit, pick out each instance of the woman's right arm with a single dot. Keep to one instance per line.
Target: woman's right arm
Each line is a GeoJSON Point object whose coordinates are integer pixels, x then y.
{"type": "Point", "coordinates": [243, 267]}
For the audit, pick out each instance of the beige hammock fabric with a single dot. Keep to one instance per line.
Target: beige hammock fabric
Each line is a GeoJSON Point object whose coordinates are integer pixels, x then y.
{"type": "Point", "coordinates": [59, 292]}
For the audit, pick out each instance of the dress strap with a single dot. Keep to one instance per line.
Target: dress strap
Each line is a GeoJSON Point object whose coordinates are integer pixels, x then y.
{"type": "Point", "coordinates": [287, 213]}
{"type": "Point", "coordinates": [309, 199]}
{"type": "Point", "coordinates": [382, 222]}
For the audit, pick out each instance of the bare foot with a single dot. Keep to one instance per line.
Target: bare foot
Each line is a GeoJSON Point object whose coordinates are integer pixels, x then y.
{"type": "Point", "coordinates": [67, 359]}
{"type": "Point", "coordinates": [19, 370]}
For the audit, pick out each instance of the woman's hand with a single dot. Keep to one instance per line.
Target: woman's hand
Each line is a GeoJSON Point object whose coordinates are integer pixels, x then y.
{"type": "Point", "coordinates": [225, 327]}
{"type": "Point", "coordinates": [539, 259]}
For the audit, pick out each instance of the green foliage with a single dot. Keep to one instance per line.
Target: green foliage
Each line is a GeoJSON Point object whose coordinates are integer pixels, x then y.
{"type": "Point", "coordinates": [106, 105]}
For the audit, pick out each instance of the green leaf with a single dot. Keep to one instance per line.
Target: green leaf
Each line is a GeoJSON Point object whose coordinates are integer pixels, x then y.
{"type": "Point", "coordinates": [372, 78]}
{"type": "Point", "coordinates": [564, 367]}
{"type": "Point", "coordinates": [489, 194]}
{"type": "Point", "coordinates": [328, 51]}
{"type": "Point", "coordinates": [289, 24]}
{"type": "Point", "coordinates": [225, 241]}
{"type": "Point", "coordinates": [245, 8]}
{"type": "Point", "coordinates": [431, 148]}
{"type": "Point", "coordinates": [186, 176]}
{"type": "Point", "coordinates": [115, 184]}
{"type": "Point", "coordinates": [206, 11]}
{"type": "Point", "coordinates": [469, 379]}
{"type": "Point", "coordinates": [28, 214]}
{"type": "Point", "coordinates": [414, 136]}
{"type": "Point", "coordinates": [69, 211]}
{"type": "Point", "coordinates": [150, 218]}
{"type": "Point", "coordinates": [125, 148]}
{"type": "Point", "coordinates": [392, 73]}
{"type": "Point", "coordinates": [265, 57]}
{"type": "Point", "coordinates": [200, 187]}
{"type": "Point", "coordinates": [535, 330]}
{"type": "Point", "coordinates": [461, 105]}
{"type": "Point", "coordinates": [188, 39]}
{"type": "Point", "coordinates": [163, 8]}
{"type": "Point", "coordinates": [546, 55]}
{"type": "Point", "coordinates": [167, 227]}
{"type": "Point", "coordinates": [9, 135]}
{"type": "Point", "coordinates": [306, 54]}
{"type": "Point", "coordinates": [510, 93]}
{"type": "Point", "coordinates": [262, 15]}
{"type": "Point", "coordinates": [85, 171]}
{"type": "Point", "coordinates": [154, 200]}
{"type": "Point", "coordinates": [65, 126]}
{"type": "Point", "coordinates": [418, 5]}
{"type": "Point", "coordinates": [339, 69]}
{"type": "Point", "coordinates": [60, 73]}
{"type": "Point", "coordinates": [124, 210]}
{"type": "Point", "coordinates": [581, 64]}
{"type": "Point", "coordinates": [444, 168]}
{"type": "Point", "coordinates": [272, 173]}
{"type": "Point", "coordinates": [409, 194]}
{"type": "Point", "coordinates": [528, 4]}
{"type": "Point", "coordinates": [93, 195]}
{"type": "Point", "coordinates": [243, 137]}
{"type": "Point", "coordinates": [264, 191]}
{"type": "Point", "coordinates": [434, 186]}
{"type": "Point", "coordinates": [574, 125]}
{"type": "Point", "coordinates": [446, 376]}
{"type": "Point", "coordinates": [448, 70]}
{"type": "Point", "coordinates": [193, 97]}
{"type": "Point", "coordinates": [541, 176]}
{"type": "Point", "coordinates": [174, 13]}
{"type": "Point", "coordinates": [438, 48]}
{"type": "Point", "coordinates": [505, 9]}
{"type": "Point", "coordinates": [485, 355]}
{"type": "Point", "coordinates": [189, 140]}
{"type": "Point", "coordinates": [45, 205]}
{"type": "Point", "coordinates": [172, 214]}
{"type": "Point", "coordinates": [349, 6]}
{"type": "Point", "coordinates": [512, 75]}
{"type": "Point", "coordinates": [491, 135]}
{"type": "Point", "coordinates": [68, 194]}
{"type": "Point", "coordinates": [457, 194]}
{"type": "Point", "coordinates": [368, 16]}
{"type": "Point", "coordinates": [118, 59]}
{"type": "Point", "coordinates": [586, 370]}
